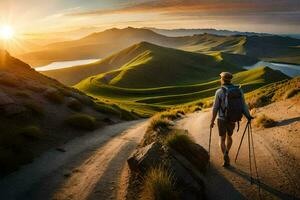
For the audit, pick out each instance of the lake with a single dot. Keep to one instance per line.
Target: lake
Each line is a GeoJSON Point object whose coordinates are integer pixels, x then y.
{"type": "Point", "coordinates": [65, 64]}
{"type": "Point", "coordinates": [287, 69]}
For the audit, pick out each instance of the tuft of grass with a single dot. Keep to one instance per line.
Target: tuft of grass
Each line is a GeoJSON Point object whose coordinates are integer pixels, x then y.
{"type": "Point", "coordinates": [185, 145]}
{"type": "Point", "coordinates": [265, 121]}
{"type": "Point", "coordinates": [178, 141]}
{"type": "Point", "coordinates": [159, 184]}
{"type": "Point", "coordinates": [32, 132]}
{"type": "Point", "coordinates": [292, 92]}
{"type": "Point", "coordinates": [22, 94]}
{"type": "Point", "coordinates": [74, 105]}
{"type": "Point", "coordinates": [82, 121]}
{"type": "Point", "coordinates": [54, 96]}
{"type": "Point", "coordinates": [159, 124]}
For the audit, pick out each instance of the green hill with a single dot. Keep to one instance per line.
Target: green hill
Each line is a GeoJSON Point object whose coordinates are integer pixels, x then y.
{"type": "Point", "coordinates": [103, 44]}
{"type": "Point", "coordinates": [146, 65]}
{"type": "Point", "coordinates": [146, 92]}
{"type": "Point", "coordinates": [149, 59]}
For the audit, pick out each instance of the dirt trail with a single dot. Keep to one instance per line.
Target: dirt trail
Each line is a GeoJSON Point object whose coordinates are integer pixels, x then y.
{"type": "Point", "coordinates": [89, 169]}
{"type": "Point", "coordinates": [234, 183]}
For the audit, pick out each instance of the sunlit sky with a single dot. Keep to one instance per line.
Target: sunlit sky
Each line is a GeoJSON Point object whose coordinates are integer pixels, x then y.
{"type": "Point", "coordinates": [38, 16]}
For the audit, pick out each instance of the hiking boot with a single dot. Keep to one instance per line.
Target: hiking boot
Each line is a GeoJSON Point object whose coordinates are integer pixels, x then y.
{"type": "Point", "coordinates": [226, 160]}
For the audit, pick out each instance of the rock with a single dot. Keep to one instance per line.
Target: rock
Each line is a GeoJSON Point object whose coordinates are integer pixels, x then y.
{"type": "Point", "coordinates": [145, 157]}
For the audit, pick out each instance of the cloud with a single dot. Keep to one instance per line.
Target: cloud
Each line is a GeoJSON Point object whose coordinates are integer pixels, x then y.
{"type": "Point", "coordinates": [208, 6]}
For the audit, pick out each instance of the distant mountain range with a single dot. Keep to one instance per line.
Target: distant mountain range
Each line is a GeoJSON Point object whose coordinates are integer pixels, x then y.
{"type": "Point", "coordinates": [103, 44]}
{"type": "Point", "coordinates": [186, 32]}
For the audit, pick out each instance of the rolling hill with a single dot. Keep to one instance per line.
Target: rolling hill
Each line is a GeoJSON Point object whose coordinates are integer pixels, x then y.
{"type": "Point", "coordinates": [38, 112]}
{"type": "Point", "coordinates": [103, 44]}
{"type": "Point", "coordinates": [145, 86]}
{"type": "Point", "coordinates": [146, 61]}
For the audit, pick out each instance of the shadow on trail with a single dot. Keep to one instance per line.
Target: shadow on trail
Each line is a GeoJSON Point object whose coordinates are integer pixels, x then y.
{"type": "Point", "coordinates": [263, 186]}
{"type": "Point", "coordinates": [218, 187]}
{"type": "Point", "coordinates": [288, 121]}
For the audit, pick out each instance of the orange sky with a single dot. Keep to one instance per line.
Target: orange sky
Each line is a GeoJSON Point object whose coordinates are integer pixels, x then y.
{"type": "Point", "coordinates": [84, 16]}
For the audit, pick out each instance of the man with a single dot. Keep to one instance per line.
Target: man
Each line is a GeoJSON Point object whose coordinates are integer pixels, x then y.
{"type": "Point", "coordinates": [226, 126]}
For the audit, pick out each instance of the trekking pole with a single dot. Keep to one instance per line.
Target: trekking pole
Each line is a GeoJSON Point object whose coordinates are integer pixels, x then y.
{"type": "Point", "coordinates": [209, 142]}
{"type": "Point", "coordinates": [255, 164]}
{"type": "Point", "coordinates": [241, 142]}
{"type": "Point", "coordinates": [249, 152]}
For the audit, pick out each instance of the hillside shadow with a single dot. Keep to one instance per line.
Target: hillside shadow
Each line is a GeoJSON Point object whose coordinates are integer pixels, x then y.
{"type": "Point", "coordinates": [263, 185]}
{"type": "Point", "coordinates": [288, 121]}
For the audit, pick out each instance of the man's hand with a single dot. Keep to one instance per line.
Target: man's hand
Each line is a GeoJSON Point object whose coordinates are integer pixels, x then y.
{"type": "Point", "coordinates": [249, 118]}
{"type": "Point", "coordinates": [212, 124]}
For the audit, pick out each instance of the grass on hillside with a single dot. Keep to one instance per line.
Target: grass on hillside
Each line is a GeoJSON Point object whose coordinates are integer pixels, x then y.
{"type": "Point", "coordinates": [148, 101]}
{"type": "Point", "coordinates": [32, 132]}
{"type": "Point", "coordinates": [81, 121]}
{"type": "Point", "coordinates": [159, 184]}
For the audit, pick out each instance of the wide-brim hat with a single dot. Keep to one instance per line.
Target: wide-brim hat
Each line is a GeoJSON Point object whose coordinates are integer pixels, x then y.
{"type": "Point", "coordinates": [226, 76]}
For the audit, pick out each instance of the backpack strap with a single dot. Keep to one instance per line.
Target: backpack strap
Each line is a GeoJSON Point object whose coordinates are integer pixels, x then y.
{"type": "Point", "coordinates": [224, 89]}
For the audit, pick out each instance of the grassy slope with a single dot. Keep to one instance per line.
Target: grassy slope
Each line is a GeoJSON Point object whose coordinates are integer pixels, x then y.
{"type": "Point", "coordinates": [34, 109]}
{"type": "Point", "coordinates": [152, 57]}
{"type": "Point", "coordinates": [154, 98]}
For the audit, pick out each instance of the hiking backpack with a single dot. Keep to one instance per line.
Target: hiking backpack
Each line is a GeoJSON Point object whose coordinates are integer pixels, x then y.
{"type": "Point", "coordinates": [233, 103]}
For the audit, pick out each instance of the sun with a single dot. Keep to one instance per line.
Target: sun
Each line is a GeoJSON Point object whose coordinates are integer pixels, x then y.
{"type": "Point", "coordinates": [6, 32]}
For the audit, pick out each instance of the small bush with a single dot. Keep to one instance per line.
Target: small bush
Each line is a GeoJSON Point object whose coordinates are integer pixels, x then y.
{"type": "Point", "coordinates": [178, 140]}
{"type": "Point", "coordinates": [54, 96]}
{"type": "Point", "coordinates": [171, 115]}
{"type": "Point", "coordinates": [265, 122]}
{"type": "Point", "coordinates": [35, 108]}
{"type": "Point", "coordinates": [82, 121]}
{"type": "Point", "coordinates": [32, 132]}
{"type": "Point", "coordinates": [159, 184]}
{"type": "Point", "coordinates": [159, 124]}
{"type": "Point", "coordinates": [291, 93]}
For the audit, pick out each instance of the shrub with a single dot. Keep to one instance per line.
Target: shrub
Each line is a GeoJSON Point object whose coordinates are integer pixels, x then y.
{"type": "Point", "coordinates": [171, 115]}
{"type": "Point", "coordinates": [159, 184]}
{"type": "Point", "coordinates": [35, 108]}
{"type": "Point", "coordinates": [32, 132]}
{"type": "Point", "coordinates": [82, 121]}
{"type": "Point", "coordinates": [178, 141]}
{"type": "Point", "coordinates": [292, 92]}
{"type": "Point", "coordinates": [74, 105]}
{"type": "Point", "coordinates": [159, 124]}
{"type": "Point", "coordinates": [54, 96]}
{"type": "Point", "coordinates": [265, 121]}
{"type": "Point", "coordinates": [22, 94]}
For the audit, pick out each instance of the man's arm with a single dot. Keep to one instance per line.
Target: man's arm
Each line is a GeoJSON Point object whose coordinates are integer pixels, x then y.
{"type": "Point", "coordinates": [215, 109]}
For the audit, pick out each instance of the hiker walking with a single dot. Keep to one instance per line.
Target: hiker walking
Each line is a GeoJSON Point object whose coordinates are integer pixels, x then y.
{"type": "Point", "coordinates": [229, 105]}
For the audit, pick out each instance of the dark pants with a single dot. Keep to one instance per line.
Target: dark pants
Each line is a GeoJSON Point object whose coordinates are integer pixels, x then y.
{"type": "Point", "coordinates": [225, 127]}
